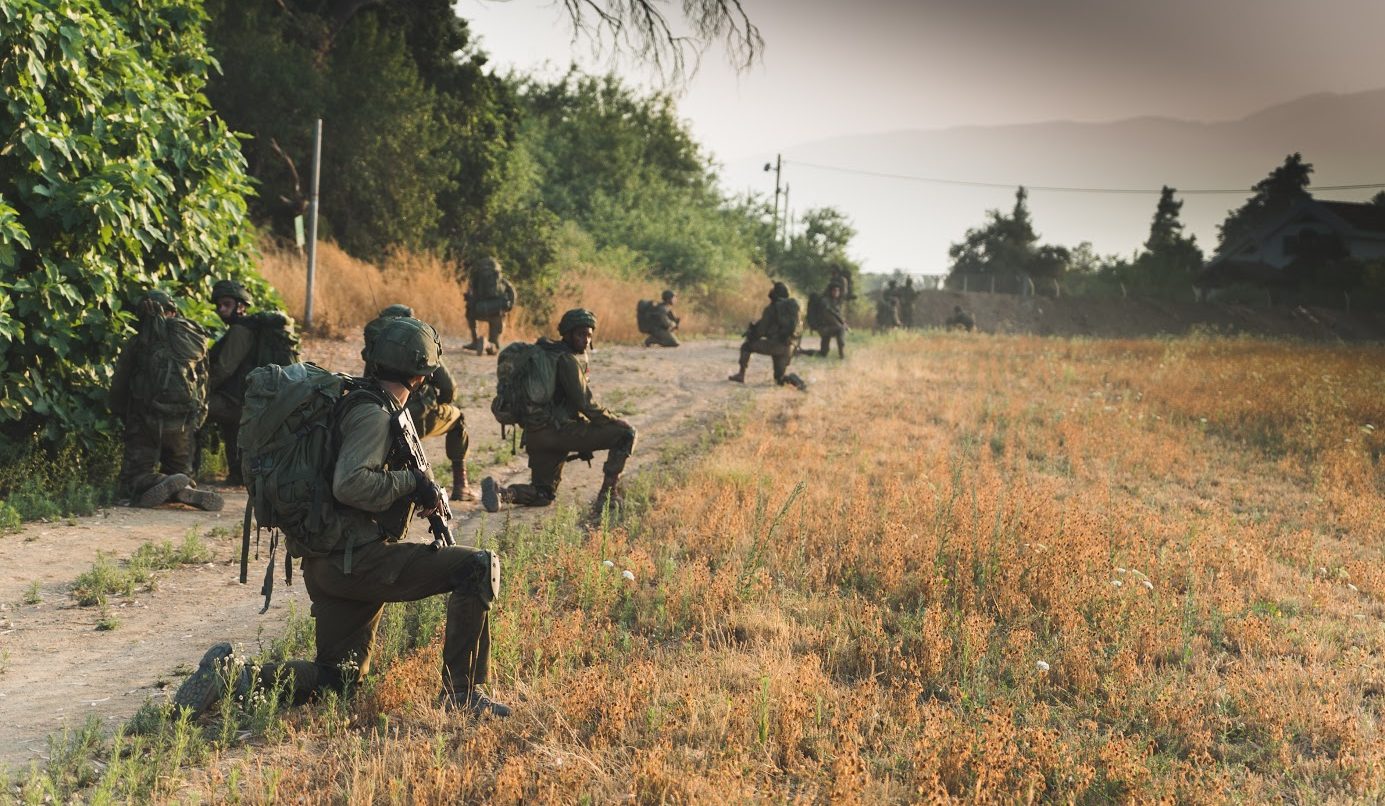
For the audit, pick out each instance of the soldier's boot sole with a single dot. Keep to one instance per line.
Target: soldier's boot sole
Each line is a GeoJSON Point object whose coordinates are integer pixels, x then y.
{"type": "Point", "coordinates": [207, 683]}
{"type": "Point", "coordinates": [738, 378]}
{"type": "Point", "coordinates": [490, 495]}
{"type": "Point", "coordinates": [162, 490]}
{"type": "Point", "coordinates": [202, 499]}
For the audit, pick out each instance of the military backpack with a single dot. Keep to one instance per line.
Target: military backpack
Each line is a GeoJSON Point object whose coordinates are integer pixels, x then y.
{"type": "Point", "coordinates": [501, 300]}
{"type": "Point", "coordinates": [818, 317]}
{"type": "Point", "coordinates": [288, 445]}
{"type": "Point", "coordinates": [170, 378]}
{"type": "Point", "coordinates": [526, 380]}
{"type": "Point", "coordinates": [275, 339]}
{"type": "Point", "coordinates": [784, 324]}
{"type": "Point", "coordinates": [647, 316]}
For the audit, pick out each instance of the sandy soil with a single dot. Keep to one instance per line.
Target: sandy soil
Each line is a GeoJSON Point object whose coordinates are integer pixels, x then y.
{"type": "Point", "coordinates": [57, 669]}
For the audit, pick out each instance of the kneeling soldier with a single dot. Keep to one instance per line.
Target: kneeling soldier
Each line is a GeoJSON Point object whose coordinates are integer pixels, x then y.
{"type": "Point", "coordinates": [572, 424]}
{"type": "Point", "coordinates": [377, 494]}
{"type": "Point", "coordinates": [774, 335]}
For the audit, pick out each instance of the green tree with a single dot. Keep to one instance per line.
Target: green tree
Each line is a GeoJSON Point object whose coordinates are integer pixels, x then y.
{"type": "Point", "coordinates": [1006, 247]}
{"type": "Point", "coordinates": [1170, 259]}
{"type": "Point", "coordinates": [817, 250]}
{"type": "Point", "coordinates": [117, 178]}
{"type": "Point", "coordinates": [1272, 196]}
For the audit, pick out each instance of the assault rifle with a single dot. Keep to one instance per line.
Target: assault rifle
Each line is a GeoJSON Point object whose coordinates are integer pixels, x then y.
{"type": "Point", "coordinates": [402, 425]}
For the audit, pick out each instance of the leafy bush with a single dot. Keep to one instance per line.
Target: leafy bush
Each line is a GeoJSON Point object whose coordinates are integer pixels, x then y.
{"type": "Point", "coordinates": [118, 178]}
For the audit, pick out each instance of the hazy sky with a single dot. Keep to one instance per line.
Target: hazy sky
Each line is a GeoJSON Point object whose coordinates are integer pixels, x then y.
{"type": "Point", "coordinates": [832, 68]}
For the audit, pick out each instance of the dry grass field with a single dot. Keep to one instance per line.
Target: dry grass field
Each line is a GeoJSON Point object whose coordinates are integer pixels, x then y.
{"type": "Point", "coordinates": [994, 569]}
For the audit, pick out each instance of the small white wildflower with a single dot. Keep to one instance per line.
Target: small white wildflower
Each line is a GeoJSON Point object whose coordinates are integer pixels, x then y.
{"type": "Point", "coordinates": [628, 574]}
{"type": "Point", "coordinates": [1120, 570]}
{"type": "Point", "coordinates": [1322, 570]}
{"type": "Point", "coordinates": [1353, 587]}
{"type": "Point", "coordinates": [1368, 428]}
{"type": "Point", "coordinates": [1117, 582]}
{"type": "Point", "coordinates": [608, 564]}
{"type": "Point", "coordinates": [1041, 665]}
{"type": "Point", "coordinates": [1202, 420]}
{"type": "Point", "coordinates": [1041, 547]}
{"type": "Point", "coordinates": [1147, 584]}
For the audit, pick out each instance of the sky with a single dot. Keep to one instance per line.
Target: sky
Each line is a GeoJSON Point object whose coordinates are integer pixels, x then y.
{"type": "Point", "coordinates": [839, 68]}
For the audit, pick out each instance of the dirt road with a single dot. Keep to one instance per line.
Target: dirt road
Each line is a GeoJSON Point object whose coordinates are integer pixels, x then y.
{"type": "Point", "coordinates": [57, 668]}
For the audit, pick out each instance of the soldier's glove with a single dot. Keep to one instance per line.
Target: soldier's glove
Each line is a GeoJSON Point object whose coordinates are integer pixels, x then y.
{"type": "Point", "coordinates": [426, 495]}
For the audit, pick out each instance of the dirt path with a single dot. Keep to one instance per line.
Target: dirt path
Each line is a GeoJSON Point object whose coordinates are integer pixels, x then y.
{"type": "Point", "coordinates": [57, 668]}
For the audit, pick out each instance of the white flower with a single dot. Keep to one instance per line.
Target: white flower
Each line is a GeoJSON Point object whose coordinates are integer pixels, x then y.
{"type": "Point", "coordinates": [1041, 665]}
{"type": "Point", "coordinates": [1353, 587]}
{"type": "Point", "coordinates": [628, 574]}
{"type": "Point", "coordinates": [1147, 584]}
{"type": "Point", "coordinates": [608, 564]}
{"type": "Point", "coordinates": [1120, 570]}
{"type": "Point", "coordinates": [1116, 582]}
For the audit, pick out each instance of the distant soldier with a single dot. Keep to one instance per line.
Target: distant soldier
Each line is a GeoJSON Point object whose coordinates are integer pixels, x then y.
{"type": "Point", "coordinates": [431, 406]}
{"type": "Point", "coordinates": [960, 318]}
{"type": "Point", "coordinates": [906, 295]}
{"type": "Point", "coordinates": [826, 317]}
{"type": "Point", "coordinates": [489, 298]}
{"type": "Point", "coordinates": [569, 425]}
{"type": "Point", "coordinates": [250, 341]}
{"type": "Point", "coordinates": [775, 334]}
{"type": "Point", "coordinates": [160, 388]}
{"type": "Point", "coordinates": [663, 322]}
{"type": "Point", "coordinates": [887, 309]}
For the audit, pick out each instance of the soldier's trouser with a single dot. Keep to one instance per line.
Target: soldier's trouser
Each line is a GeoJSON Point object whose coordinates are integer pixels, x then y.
{"type": "Point", "coordinates": [780, 355]}
{"type": "Point", "coordinates": [827, 337]}
{"type": "Point", "coordinates": [663, 338]}
{"type": "Point", "coordinates": [444, 418]}
{"type": "Point", "coordinates": [347, 609]}
{"type": "Point", "coordinates": [153, 450]}
{"type": "Point", "coordinates": [495, 325]}
{"type": "Point", "coordinates": [548, 449]}
{"type": "Point", "coordinates": [224, 411]}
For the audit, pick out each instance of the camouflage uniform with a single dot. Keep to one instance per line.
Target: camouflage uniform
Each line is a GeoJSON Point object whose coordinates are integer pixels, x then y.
{"type": "Point", "coordinates": [158, 447]}
{"type": "Point", "coordinates": [665, 323]}
{"type": "Point", "coordinates": [495, 322]}
{"type": "Point", "coordinates": [907, 296]}
{"type": "Point", "coordinates": [769, 336]}
{"type": "Point", "coordinates": [887, 310]}
{"type": "Point", "coordinates": [432, 408]}
{"type": "Point", "coordinates": [960, 318]}
{"type": "Point", "coordinates": [577, 425]}
{"type": "Point", "coordinates": [836, 330]}
{"type": "Point", "coordinates": [231, 359]}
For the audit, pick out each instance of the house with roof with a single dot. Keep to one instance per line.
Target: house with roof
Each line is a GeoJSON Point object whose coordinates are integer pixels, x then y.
{"type": "Point", "coordinates": [1309, 229]}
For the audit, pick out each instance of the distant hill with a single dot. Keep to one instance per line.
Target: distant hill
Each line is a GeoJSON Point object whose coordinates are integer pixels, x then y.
{"type": "Point", "coordinates": [909, 224]}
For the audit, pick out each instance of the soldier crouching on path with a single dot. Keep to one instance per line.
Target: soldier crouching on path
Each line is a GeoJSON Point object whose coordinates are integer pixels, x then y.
{"type": "Point", "coordinates": [432, 408]}
{"type": "Point", "coordinates": [774, 335]}
{"type": "Point", "coordinates": [960, 318]}
{"type": "Point", "coordinates": [664, 322]}
{"type": "Point", "coordinates": [571, 423]}
{"type": "Point", "coordinates": [377, 494]}
{"type": "Point", "coordinates": [159, 387]}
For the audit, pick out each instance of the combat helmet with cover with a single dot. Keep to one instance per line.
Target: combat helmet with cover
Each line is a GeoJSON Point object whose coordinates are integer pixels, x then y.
{"type": "Point", "coordinates": [404, 348]}
{"type": "Point", "coordinates": [374, 326]}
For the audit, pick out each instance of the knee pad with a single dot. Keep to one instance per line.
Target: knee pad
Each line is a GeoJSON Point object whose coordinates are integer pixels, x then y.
{"type": "Point", "coordinates": [480, 577]}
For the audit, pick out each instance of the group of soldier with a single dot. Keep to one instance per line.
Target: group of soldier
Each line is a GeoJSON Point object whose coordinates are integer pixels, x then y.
{"type": "Point", "coordinates": [378, 487]}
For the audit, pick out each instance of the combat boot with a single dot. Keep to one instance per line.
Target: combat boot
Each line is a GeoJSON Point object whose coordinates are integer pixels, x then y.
{"type": "Point", "coordinates": [739, 377]}
{"type": "Point", "coordinates": [796, 382]}
{"type": "Point", "coordinates": [608, 497]}
{"type": "Point", "coordinates": [162, 490]}
{"type": "Point", "coordinates": [492, 348]}
{"type": "Point", "coordinates": [474, 702]}
{"type": "Point", "coordinates": [490, 494]}
{"type": "Point", "coordinates": [477, 346]}
{"type": "Point", "coordinates": [202, 499]}
{"type": "Point", "coordinates": [461, 489]}
{"type": "Point", "coordinates": [220, 672]}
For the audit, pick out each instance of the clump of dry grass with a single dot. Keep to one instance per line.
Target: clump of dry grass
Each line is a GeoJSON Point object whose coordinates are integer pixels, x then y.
{"type": "Point", "coordinates": [984, 569]}
{"type": "Point", "coordinates": [348, 293]}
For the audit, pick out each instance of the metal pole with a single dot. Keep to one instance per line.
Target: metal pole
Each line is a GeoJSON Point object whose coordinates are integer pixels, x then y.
{"type": "Point", "coordinates": [787, 223]}
{"type": "Point", "coordinates": [778, 165]}
{"type": "Point", "coordinates": [312, 227]}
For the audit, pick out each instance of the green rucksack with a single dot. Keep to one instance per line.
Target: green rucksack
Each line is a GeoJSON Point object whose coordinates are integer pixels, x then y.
{"type": "Point", "coordinates": [526, 379]}
{"type": "Point", "coordinates": [786, 320]}
{"type": "Point", "coordinates": [818, 318]}
{"type": "Point", "coordinates": [170, 379]}
{"type": "Point", "coordinates": [501, 300]}
{"type": "Point", "coordinates": [647, 316]}
{"type": "Point", "coordinates": [275, 339]}
{"type": "Point", "coordinates": [288, 445]}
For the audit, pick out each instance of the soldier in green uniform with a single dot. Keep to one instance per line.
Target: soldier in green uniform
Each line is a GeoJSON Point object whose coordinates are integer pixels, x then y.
{"type": "Point", "coordinates": [960, 318]}
{"type": "Point", "coordinates": [159, 387]}
{"type": "Point", "coordinates": [775, 334]}
{"type": "Point", "coordinates": [887, 309]}
{"type": "Point", "coordinates": [907, 295]}
{"type": "Point", "coordinates": [378, 494]}
{"type": "Point", "coordinates": [574, 424]}
{"type": "Point", "coordinates": [665, 322]}
{"type": "Point", "coordinates": [489, 297]}
{"type": "Point", "coordinates": [432, 408]}
{"type": "Point", "coordinates": [834, 325]}
{"type": "Point", "coordinates": [232, 358]}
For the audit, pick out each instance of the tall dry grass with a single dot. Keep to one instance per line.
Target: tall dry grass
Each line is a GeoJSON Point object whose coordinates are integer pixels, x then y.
{"type": "Point", "coordinates": [348, 293]}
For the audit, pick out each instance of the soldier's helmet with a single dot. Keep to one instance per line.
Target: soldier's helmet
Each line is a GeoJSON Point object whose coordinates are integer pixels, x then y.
{"type": "Point", "coordinates": [232, 289]}
{"type": "Point", "coordinates": [668, 295]}
{"type": "Point", "coordinates": [575, 318]}
{"type": "Point", "coordinates": [488, 264]}
{"type": "Point", "coordinates": [397, 310]}
{"type": "Point", "coordinates": [835, 284]}
{"type": "Point", "coordinates": [779, 291]}
{"type": "Point", "coordinates": [155, 302]}
{"type": "Point", "coordinates": [403, 348]}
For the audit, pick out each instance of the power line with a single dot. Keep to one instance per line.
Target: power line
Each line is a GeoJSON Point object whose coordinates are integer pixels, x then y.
{"type": "Point", "coordinates": [1060, 189]}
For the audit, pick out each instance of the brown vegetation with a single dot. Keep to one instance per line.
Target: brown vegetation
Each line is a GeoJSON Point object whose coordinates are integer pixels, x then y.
{"type": "Point", "coordinates": [993, 569]}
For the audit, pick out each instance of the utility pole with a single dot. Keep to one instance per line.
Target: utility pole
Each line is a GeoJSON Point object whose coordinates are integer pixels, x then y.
{"type": "Point", "coordinates": [312, 227]}
{"type": "Point", "coordinates": [778, 166]}
{"type": "Point", "coordinates": [788, 217]}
